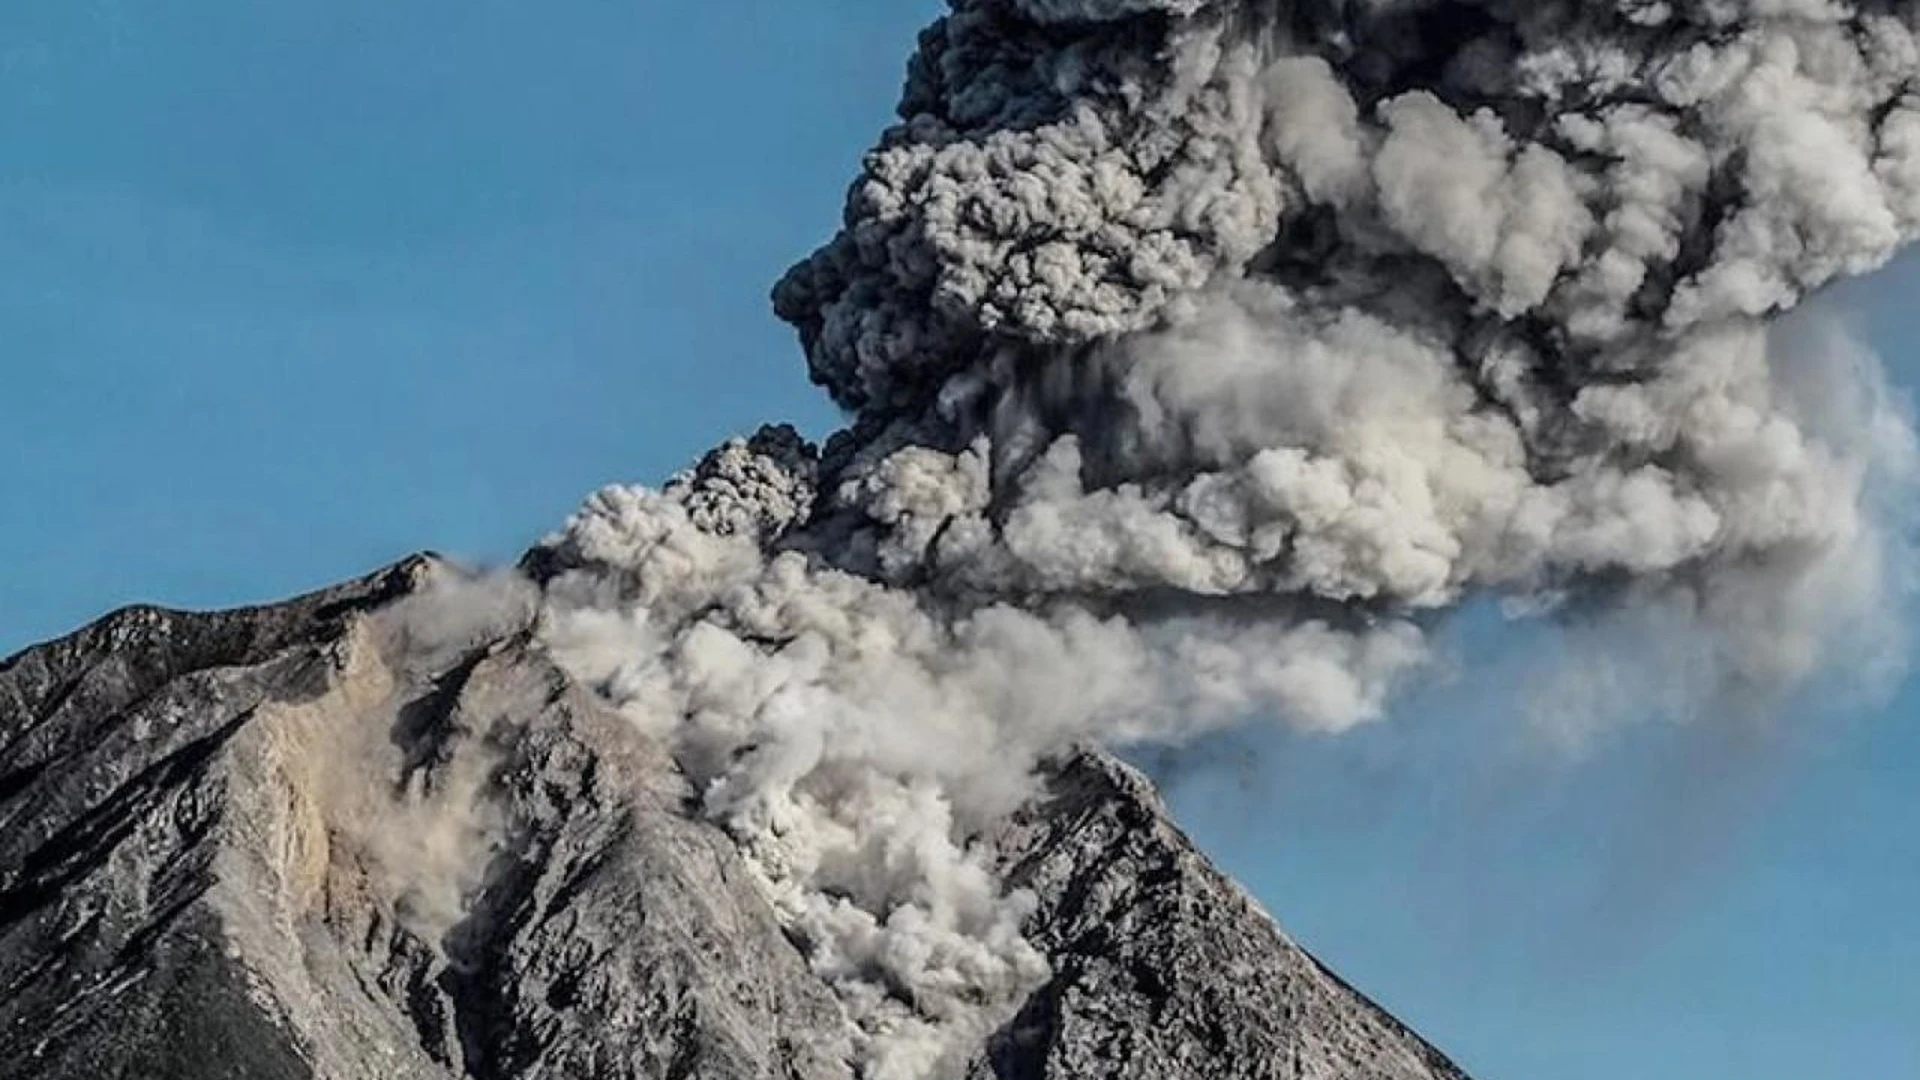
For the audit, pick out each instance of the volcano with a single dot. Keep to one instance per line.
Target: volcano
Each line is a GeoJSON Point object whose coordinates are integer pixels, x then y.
{"type": "Point", "coordinates": [223, 835]}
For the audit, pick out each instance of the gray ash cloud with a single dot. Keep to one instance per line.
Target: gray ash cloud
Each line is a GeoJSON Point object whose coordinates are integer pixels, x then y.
{"type": "Point", "coordinates": [1199, 356]}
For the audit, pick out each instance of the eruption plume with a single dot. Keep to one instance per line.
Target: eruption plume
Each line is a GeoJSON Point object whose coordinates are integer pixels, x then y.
{"type": "Point", "coordinates": [1198, 356]}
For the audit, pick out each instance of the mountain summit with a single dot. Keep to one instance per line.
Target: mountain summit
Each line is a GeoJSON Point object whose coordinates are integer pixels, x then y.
{"type": "Point", "coordinates": [337, 838]}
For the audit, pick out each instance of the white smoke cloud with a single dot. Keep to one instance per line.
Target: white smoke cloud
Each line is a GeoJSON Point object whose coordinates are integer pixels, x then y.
{"type": "Point", "coordinates": [1201, 354]}
{"type": "Point", "coordinates": [1505, 221]}
{"type": "Point", "coordinates": [857, 739]}
{"type": "Point", "coordinates": [1741, 637]}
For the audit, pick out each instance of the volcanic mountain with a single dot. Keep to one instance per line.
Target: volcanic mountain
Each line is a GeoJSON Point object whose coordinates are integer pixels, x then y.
{"type": "Point", "coordinates": [305, 840]}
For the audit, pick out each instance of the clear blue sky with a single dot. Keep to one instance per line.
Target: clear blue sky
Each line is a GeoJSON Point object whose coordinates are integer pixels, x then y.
{"type": "Point", "coordinates": [292, 289]}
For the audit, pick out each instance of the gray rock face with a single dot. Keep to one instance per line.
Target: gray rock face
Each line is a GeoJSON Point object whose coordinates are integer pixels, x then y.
{"type": "Point", "coordinates": [305, 841]}
{"type": "Point", "coordinates": [1162, 966]}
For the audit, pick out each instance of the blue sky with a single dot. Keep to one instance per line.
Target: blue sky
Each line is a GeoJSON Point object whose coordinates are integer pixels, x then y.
{"type": "Point", "coordinates": [293, 289]}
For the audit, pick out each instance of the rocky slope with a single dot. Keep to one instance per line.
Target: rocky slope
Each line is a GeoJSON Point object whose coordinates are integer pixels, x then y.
{"type": "Point", "coordinates": [326, 839]}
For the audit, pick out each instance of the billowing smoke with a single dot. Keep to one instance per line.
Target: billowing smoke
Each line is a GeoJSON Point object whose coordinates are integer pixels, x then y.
{"type": "Point", "coordinates": [1198, 356]}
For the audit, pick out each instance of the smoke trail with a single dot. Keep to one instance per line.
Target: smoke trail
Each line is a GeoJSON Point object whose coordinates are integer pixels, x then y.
{"type": "Point", "coordinates": [1197, 354]}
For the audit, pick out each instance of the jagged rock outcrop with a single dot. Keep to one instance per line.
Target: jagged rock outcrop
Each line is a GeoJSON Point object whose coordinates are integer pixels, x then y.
{"type": "Point", "coordinates": [322, 840]}
{"type": "Point", "coordinates": [1162, 967]}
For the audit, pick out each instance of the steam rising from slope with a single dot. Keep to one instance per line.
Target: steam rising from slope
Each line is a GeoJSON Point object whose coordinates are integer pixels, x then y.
{"type": "Point", "coordinates": [1198, 355]}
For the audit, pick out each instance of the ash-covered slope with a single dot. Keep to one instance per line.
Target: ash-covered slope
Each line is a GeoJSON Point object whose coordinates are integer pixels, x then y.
{"type": "Point", "coordinates": [341, 837]}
